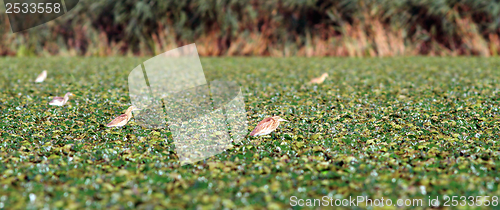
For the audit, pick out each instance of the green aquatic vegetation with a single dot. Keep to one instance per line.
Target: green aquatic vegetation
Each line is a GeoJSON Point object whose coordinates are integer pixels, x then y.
{"type": "Point", "coordinates": [396, 128]}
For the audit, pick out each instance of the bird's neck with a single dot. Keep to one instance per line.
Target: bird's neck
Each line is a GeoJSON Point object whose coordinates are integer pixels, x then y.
{"type": "Point", "coordinates": [129, 114]}
{"type": "Point", "coordinates": [66, 98]}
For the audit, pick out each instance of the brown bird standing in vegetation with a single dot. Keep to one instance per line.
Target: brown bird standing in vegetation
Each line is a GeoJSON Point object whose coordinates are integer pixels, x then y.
{"type": "Point", "coordinates": [267, 126]}
{"type": "Point", "coordinates": [60, 101]}
{"type": "Point", "coordinates": [320, 79]}
{"type": "Point", "coordinates": [41, 77]}
{"type": "Point", "coordinates": [123, 119]}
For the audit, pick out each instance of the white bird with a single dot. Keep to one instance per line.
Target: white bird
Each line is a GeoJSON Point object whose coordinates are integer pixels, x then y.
{"type": "Point", "coordinates": [320, 79]}
{"type": "Point", "coordinates": [41, 77]}
{"type": "Point", "coordinates": [267, 126]}
{"type": "Point", "coordinates": [60, 101]}
{"type": "Point", "coordinates": [122, 119]}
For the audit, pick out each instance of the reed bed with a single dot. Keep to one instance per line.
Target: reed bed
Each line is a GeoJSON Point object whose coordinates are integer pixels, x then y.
{"type": "Point", "coordinates": [359, 28]}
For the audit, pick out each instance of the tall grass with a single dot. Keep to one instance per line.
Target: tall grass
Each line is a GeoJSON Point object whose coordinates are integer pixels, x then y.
{"type": "Point", "coordinates": [266, 28]}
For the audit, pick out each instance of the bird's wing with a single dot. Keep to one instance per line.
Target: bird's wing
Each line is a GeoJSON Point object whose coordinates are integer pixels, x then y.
{"type": "Point", "coordinates": [57, 98]}
{"type": "Point", "coordinates": [118, 120]}
{"type": "Point", "coordinates": [40, 77]}
{"type": "Point", "coordinates": [318, 80]}
{"type": "Point", "coordinates": [263, 125]}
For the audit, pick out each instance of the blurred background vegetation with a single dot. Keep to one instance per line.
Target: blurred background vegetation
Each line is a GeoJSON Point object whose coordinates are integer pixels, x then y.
{"type": "Point", "coordinates": [265, 28]}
